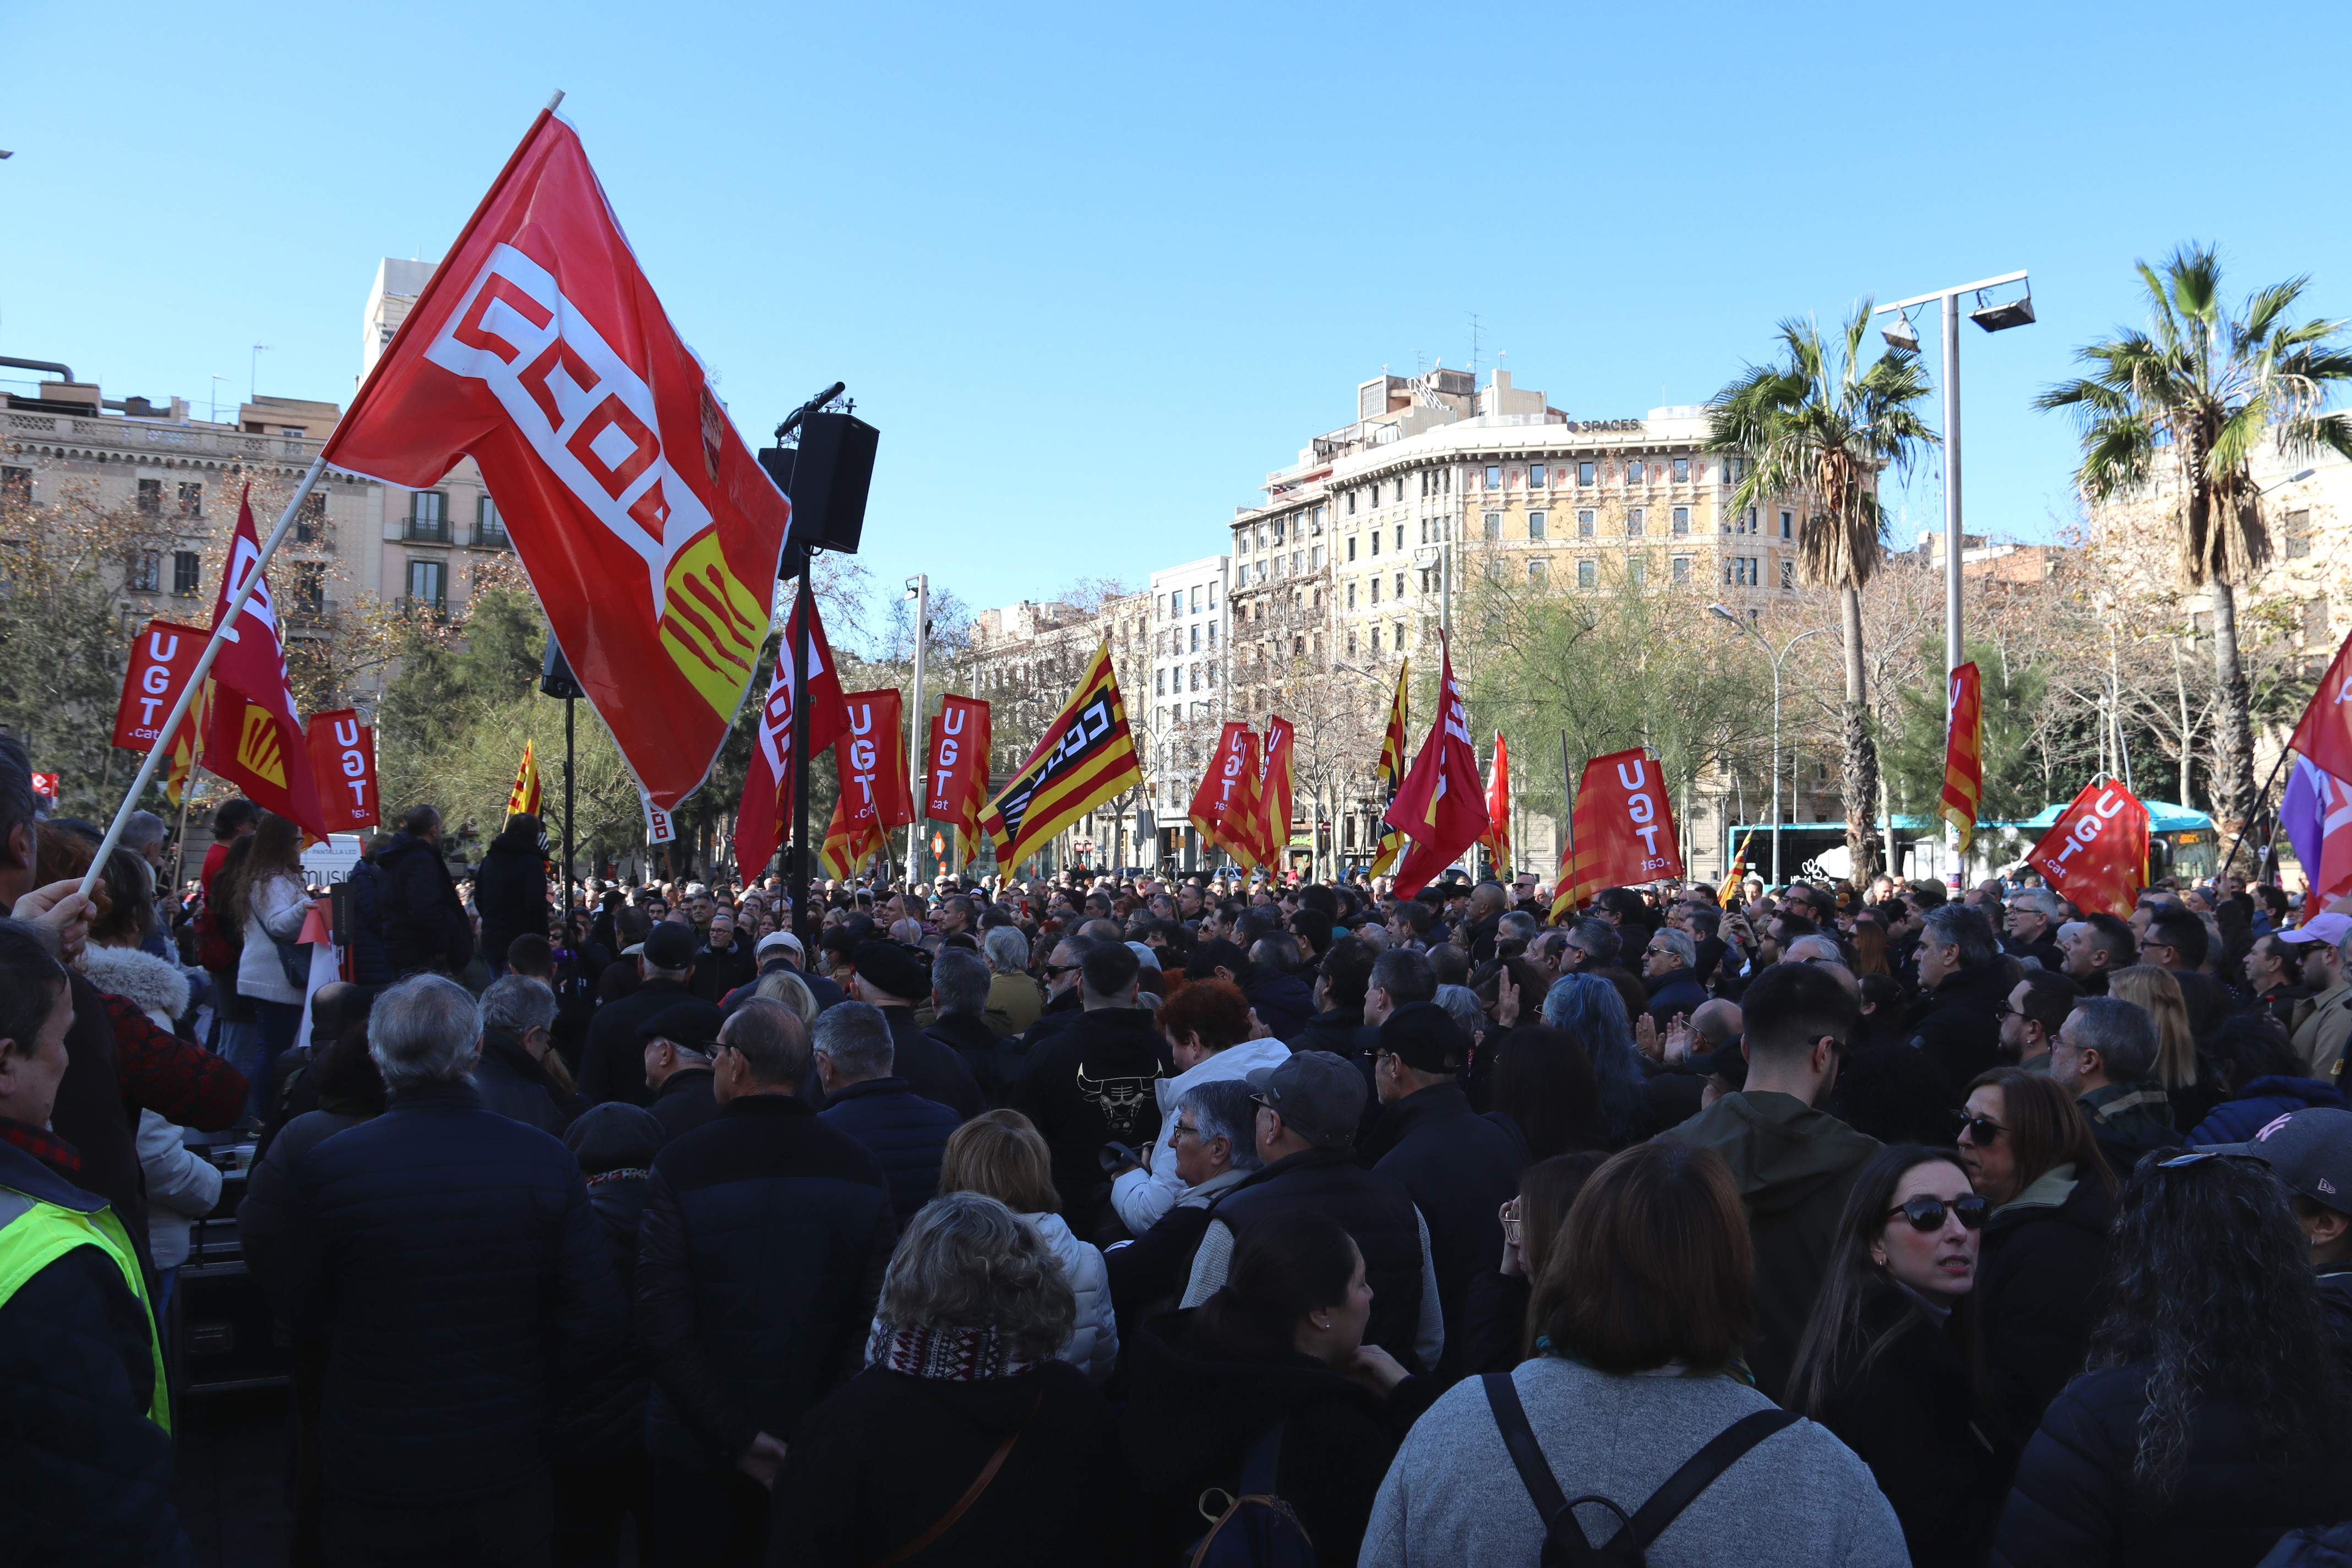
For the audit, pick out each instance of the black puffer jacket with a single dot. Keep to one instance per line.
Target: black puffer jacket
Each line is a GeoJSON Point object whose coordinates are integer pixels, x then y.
{"type": "Point", "coordinates": [905, 1134]}
{"type": "Point", "coordinates": [370, 961]}
{"type": "Point", "coordinates": [1461, 1169]}
{"type": "Point", "coordinates": [448, 1260]}
{"type": "Point", "coordinates": [1373, 1208]}
{"type": "Point", "coordinates": [1335, 1031]}
{"type": "Point", "coordinates": [2076, 1506]}
{"type": "Point", "coordinates": [1194, 1411]}
{"type": "Point", "coordinates": [510, 892]}
{"type": "Point", "coordinates": [2037, 1296]}
{"type": "Point", "coordinates": [1958, 1025]}
{"type": "Point", "coordinates": [512, 1083]}
{"type": "Point", "coordinates": [85, 1477]}
{"type": "Point", "coordinates": [605, 1420]}
{"type": "Point", "coordinates": [760, 1256]}
{"type": "Point", "coordinates": [1282, 1002]}
{"type": "Point", "coordinates": [424, 924]}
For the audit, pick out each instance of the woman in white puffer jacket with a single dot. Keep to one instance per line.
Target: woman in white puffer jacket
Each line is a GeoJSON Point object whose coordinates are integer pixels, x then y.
{"type": "Point", "coordinates": [999, 1154]}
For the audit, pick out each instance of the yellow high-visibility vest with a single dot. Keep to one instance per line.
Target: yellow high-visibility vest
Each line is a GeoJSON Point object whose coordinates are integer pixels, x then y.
{"type": "Point", "coordinates": [35, 1234]}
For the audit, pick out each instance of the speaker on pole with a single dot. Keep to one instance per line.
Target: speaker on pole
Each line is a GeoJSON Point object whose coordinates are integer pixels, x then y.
{"type": "Point", "coordinates": [826, 477]}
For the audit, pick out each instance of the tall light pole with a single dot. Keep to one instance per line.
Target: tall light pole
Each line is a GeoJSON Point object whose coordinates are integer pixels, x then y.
{"type": "Point", "coordinates": [918, 589]}
{"type": "Point", "coordinates": [1719, 611]}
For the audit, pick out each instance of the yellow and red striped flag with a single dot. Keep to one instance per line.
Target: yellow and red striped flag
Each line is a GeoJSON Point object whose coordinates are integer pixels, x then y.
{"type": "Point", "coordinates": [1086, 757]}
{"type": "Point", "coordinates": [1391, 772]}
{"type": "Point", "coordinates": [1964, 752]}
{"type": "Point", "coordinates": [523, 799]}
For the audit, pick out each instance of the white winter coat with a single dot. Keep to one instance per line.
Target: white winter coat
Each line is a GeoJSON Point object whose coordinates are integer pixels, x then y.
{"type": "Point", "coordinates": [1142, 1197]}
{"type": "Point", "coordinates": [1094, 1342]}
{"type": "Point", "coordinates": [274, 908]}
{"type": "Point", "coordinates": [181, 1185]}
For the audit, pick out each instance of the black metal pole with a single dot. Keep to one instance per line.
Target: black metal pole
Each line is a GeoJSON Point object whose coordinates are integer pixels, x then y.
{"type": "Point", "coordinates": [797, 879]}
{"type": "Point", "coordinates": [2252, 812]}
{"type": "Point", "coordinates": [571, 872]}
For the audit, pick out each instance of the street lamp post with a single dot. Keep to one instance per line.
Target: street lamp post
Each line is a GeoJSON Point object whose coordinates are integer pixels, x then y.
{"type": "Point", "coordinates": [1719, 611]}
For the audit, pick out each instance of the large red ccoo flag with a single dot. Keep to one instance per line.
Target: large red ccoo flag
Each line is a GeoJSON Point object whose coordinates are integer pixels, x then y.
{"type": "Point", "coordinates": [650, 532]}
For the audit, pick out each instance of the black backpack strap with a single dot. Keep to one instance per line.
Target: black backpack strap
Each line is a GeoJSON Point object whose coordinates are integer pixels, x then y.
{"type": "Point", "coordinates": [1698, 1472]}
{"type": "Point", "coordinates": [1535, 1471]}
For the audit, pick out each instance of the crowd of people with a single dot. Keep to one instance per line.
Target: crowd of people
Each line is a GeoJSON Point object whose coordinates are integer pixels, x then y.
{"type": "Point", "coordinates": [1145, 1219]}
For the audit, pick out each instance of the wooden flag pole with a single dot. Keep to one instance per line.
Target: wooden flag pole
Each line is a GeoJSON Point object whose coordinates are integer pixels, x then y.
{"type": "Point", "coordinates": [235, 607]}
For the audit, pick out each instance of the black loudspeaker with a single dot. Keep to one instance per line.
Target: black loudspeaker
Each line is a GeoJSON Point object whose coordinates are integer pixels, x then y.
{"type": "Point", "coordinates": [826, 477]}
{"type": "Point", "coordinates": [555, 676]}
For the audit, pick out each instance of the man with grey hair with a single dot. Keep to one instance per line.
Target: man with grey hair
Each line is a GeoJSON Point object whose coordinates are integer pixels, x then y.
{"type": "Point", "coordinates": [760, 1254]}
{"type": "Point", "coordinates": [906, 1134]}
{"type": "Point", "coordinates": [2105, 1057]}
{"type": "Point", "coordinates": [1513, 932]}
{"type": "Point", "coordinates": [446, 1262]}
{"type": "Point", "coordinates": [1966, 983]}
{"type": "Point", "coordinates": [517, 1024]}
{"type": "Point", "coordinates": [1670, 970]}
{"type": "Point", "coordinates": [960, 980]}
{"type": "Point", "coordinates": [2031, 927]}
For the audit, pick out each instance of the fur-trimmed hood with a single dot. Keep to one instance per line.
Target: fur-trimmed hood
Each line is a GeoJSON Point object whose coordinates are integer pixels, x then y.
{"type": "Point", "coordinates": [155, 984]}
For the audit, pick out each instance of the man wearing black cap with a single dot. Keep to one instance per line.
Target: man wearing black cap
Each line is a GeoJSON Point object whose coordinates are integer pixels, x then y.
{"type": "Point", "coordinates": [1460, 1167]}
{"type": "Point", "coordinates": [612, 1065]}
{"type": "Point", "coordinates": [677, 1045]}
{"type": "Point", "coordinates": [2310, 1152]}
{"type": "Point", "coordinates": [1309, 1108]}
{"type": "Point", "coordinates": [894, 977]}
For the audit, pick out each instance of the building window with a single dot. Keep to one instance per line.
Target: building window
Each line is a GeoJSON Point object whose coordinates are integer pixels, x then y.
{"type": "Point", "coordinates": [1539, 572]}
{"type": "Point", "coordinates": [1351, 503]}
{"type": "Point", "coordinates": [1788, 575]}
{"type": "Point", "coordinates": [1159, 688]}
{"type": "Point", "coordinates": [1196, 598]}
{"type": "Point", "coordinates": [1587, 522]}
{"type": "Point", "coordinates": [1494, 476]}
{"type": "Point", "coordinates": [1681, 470]}
{"type": "Point", "coordinates": [192, 501]}
{"type": "Point", "coordinates": [1376, 639]}
{"type": "Point", "coordinates": [1536, 525]}
{"type": "Point", "coordinates": [1196, 636]}
{"type": "Point", "coordinates": [490, 528]}
{"type": "Point", "coordinates": [16, 485]}
{"type": "Point", "coordinates": [1397, 634]}
{"type": "Point", "coordinates": [1787, 525]}
{"type": "Point", "coordinates": [1376, 542]}
{"type": "Point", "coordinates": [1351, 547]}
{"type": "Point", "coordinates": [1400, 584]}
{"type": "Point", "coordinates": [1681, 569]}
{"type": "Point", "coordinates": [1637, 573]}
{"type": "Point", "coordinates": [1634, 471]}
{"type": "Point", "coordinates": [1682, 520]}
{"type": "Point", "coordinates": [1277, 529]}
{"type": "Point", "coordinates": [1351, 595]}
{"type": "Point", "coordinates": [146, 572]}
{"type": "Point", "coordinates": [2314, 620]}
{"type": "Point", "coordinates": [1193, 676]}
{"type": "Point", "coordinates": [1399, 537]}
{"type": "Point", "coordinates": [1213, 637]}
{"type": "Point", "coordinates": [1494, 526]}
{"type": "Point", "coordinates": [428, 518]}
{"type": "Point", "coordinates": [428, 584]}
{"type": "Point", "coordinates": [1584, 473]}
{"type": "Point", "coordinates": [1588, 573]}
{"type": "Point", "coordinates": [1315, 523]}
{"type": "Point", "coordinates": [1734, 468]}
{"type": "Point", "coordinates": [1637, 521]}
{"type": "Point", "coordinates": [186, 566]}
{"type": "Point", "coordinates": [2297, 531]}
{"type": "Point", "coordinates": [1536, 480]}
{"type": "Point", "coordinates": [1213, 676]}
{"type": "Point", "coordinates": [1400, 490]}
{"type": "Point", "coordinates": [151, 497]}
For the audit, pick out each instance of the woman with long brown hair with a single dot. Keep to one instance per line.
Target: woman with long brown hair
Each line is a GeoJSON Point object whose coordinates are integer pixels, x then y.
{"type": "Point", "coordinates": [262, 896]}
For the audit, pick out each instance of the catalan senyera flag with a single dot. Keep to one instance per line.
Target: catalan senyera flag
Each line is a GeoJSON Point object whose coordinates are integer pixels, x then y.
{"type": "Point", "coordinates": [187, 744]}
{"type": "Point", "coordinates": [1391, 772]}
{"type": "Point", "coordinates": [522, 797]}
{"type": "Point", "coordinates": [1225, 807]}
{"type": "Point", "coordinates": [253, 738]}
{"type": "Point", "coordinates": [1736, 878]}
{"type": "Point", "coordinates": [1086, 757]}
{"type": "Point", "coordinates": [1499, 808]}
{"type": "Point", "coordinates": [848, 845]}
{"type": "Point", "coordinates": [1963, 752]}
{"type": "Point", "coordinates": [1272, 818]}
{"type": "Point", "coordinates": [648, 531]}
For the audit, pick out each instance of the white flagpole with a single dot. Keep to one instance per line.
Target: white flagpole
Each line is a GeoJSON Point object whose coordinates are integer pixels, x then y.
{"type": "Point", "coordinates": [203, 667]}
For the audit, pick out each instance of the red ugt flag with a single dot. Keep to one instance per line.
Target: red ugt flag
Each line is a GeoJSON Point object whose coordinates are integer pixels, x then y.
{"type": "Point", "coordinates": [1439, 806]}
{"type": "Point", "coordinates": [2324, 733]}
{"type": "Point", "coordinates": [162, 657]}
{"type": "Point", "coordinates": [1624, 828]}
{"type": "Point", "coordinates": [874, 764]}
{"type": "Point", "coordinates": [957, 775]}
{"type": "Point", "coordinates": [255, 740]}
{"type": "Point", "coordinates": [2096, 854]}
{"type": "Point", "coordinates": [648, 531]}
{"type": "Point", "coordinates": [342, 759]}
{"type": "Point", "coordinates": [767, 781]}
{"type": "Point", "coordinates": [1225, 804]}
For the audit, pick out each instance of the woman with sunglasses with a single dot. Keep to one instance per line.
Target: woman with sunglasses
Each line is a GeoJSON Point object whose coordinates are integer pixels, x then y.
{"type": "Point", "coordinates": [2213, 1415]}
{"type": "Point", "coordinates": [1888, 1359]}
{"type": "Point", "coordinates": [2028, 1150]}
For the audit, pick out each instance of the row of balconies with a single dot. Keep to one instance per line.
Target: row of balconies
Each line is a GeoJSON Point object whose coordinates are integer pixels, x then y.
{"type": "Point", "coordinates": [439, 530]}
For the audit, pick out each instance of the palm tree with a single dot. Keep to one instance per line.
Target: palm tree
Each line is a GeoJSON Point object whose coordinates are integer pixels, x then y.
{"type": "Point", "coordinates": [2183, 408]}
{"type": "Point", "coordinates": [1822, 423]}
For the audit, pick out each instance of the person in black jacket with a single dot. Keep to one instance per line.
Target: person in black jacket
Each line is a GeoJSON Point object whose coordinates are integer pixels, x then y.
{"type": "Point", "coordinates": [759, 1256]}
{"type": "Point", "coordinates": [1276, 1358]}
{"type": "Point", "coordinates": [448, 1262]}
{"type": "Point", "coordinates": [1096, 1083]}
{"type": "Point", "coordinates": [517, 1026]}
{"type": "Point", "coordinates": [959, 983]}
{"type": "Point", "coordinates": [964, 1440]}
{"type": "Point", "coordinates": [893, 977]}
{"type": "Point", "coordinates": [725, 960]}
{"type": "Point", "coordinates": [906, 1134]}
{"type": "Point", "coordinates": [425, 927]}
{"type": "Point", "coordinates": [679, 1043]}
{"type": "Point", "coordinates": [1280, 999]}
{"type": "Point", "coordinates": [600, 1472]}
{"type": "Point", "coordinates": [1460, 1168]}
{"type": "Point", "coordinates": [612, 1066]}
{"type": "Point", "coordinates": [1964, 984]}
{"type": "Point", "coordinates": [1886, 1361]}
{"type": "Point", "coordinates": [1338, 1020]}
{"type": "Point", "coordinates": [1494, 1312]}
{"type": "Point", "coordinates": [371, 960]}
{"type": "Point", "coordinates": [510, 888]}
{"type": "Point", "coordinates": [2213, 1416]}
{"type": "Point", "coordinates": [2028, 1149]}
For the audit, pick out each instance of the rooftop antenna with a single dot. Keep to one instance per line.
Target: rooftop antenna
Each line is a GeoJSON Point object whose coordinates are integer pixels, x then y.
{"type": "Point", "coordinates": [1474, 346]}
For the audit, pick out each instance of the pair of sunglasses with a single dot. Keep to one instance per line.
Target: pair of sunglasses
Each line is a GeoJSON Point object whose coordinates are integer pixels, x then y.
{"type": "Point", "coordinates": [1928, 1213]}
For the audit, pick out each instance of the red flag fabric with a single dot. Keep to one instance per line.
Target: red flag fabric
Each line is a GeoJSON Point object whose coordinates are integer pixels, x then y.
{"type": "Point", "coordinates": [767, 802]}
{"type": "Point", "coordinates": [342, 759]}
{"type": "Point", "coordinates": [2324, 733]}
{"type": "Point", "coordinates": [1624, 828]}
{"type": "Point", "coordinates": [1272, 818]}
{"type": "Point", "coordinates": [1499, 808]}
{"type": "Point", "coordinates": [162, 657]}
{"type": "Point", "coordinates": [523, 794]}
{"type": "Point", "coordinates": [255, 740]}
{"type": "Point", "coordinates": [648, 531]}
{"type": "Point", "coordinates": [956, 772]}
{"type": "Point", "coordinates": [847, 845]}
{"type": "Point", "coordinates": [1225, 803]}
{"type": "Point", "coordinates": [2096, 854]}
{"type": "Point", "coordinates": [874, 764]}
{"type": "Point", "coordinates": [1439, 806]}
{"type": "Point", "coordinates": [1963, 752]}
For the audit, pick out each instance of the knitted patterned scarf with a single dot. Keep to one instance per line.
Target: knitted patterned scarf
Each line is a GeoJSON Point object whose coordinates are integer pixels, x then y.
{"type": "Point", "coordinates": [943, 1350]}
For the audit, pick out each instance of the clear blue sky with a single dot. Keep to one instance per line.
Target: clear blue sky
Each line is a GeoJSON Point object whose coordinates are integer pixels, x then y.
{"type": "Point", "coordinates": [1094, 269]}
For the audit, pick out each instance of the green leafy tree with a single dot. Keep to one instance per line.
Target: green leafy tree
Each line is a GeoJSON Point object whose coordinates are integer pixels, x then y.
{"type": "Point", "coordinates": [2181, 409]}
{"type": "Point", "coordinates": [1822, 424]}
{"type": "Point", "coordinates": [2014, 694]}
